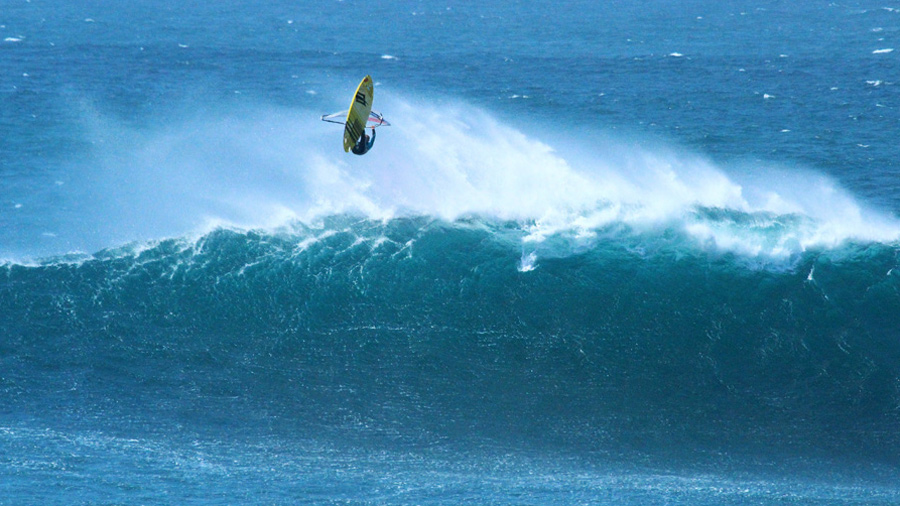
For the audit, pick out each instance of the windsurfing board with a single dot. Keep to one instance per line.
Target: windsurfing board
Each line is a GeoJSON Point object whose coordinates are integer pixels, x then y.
{"type": "Point", "coordinates": [358, 114]}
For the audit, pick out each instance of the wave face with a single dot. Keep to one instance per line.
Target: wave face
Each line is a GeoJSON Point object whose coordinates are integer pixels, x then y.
{"type": "Point", "coordinates": [423, 331]}
{"type": "Point", "coordinates": [471, 286]}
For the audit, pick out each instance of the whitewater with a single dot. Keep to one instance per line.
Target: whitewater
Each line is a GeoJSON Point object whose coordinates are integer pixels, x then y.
{"type": "Point", "coordinates": [601, 255]}
{"type": "Point", "coordinates": [251, 170]}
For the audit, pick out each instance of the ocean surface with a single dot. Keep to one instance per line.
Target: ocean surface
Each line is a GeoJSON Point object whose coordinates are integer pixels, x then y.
{"type": "Point", "coordinates": [620, 253]}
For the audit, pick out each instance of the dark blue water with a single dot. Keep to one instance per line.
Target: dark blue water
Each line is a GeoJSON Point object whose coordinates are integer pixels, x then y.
{"type": "Point", "coordinates": [617, 254]}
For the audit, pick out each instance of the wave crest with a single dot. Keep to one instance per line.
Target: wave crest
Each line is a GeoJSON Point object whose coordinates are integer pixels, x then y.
{"type": "Point", "coordinates": [270, 168]}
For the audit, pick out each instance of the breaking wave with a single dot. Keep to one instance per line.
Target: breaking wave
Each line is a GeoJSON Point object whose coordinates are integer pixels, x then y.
{"type": "Point", "coordinates": [465, 284]}
{"type": "Point", "coordinates": [423, 331]}
{"type": "Point", "coordinates": [266, 168]}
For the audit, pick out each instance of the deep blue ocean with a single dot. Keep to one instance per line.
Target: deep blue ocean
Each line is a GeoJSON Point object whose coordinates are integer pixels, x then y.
{"type": "Point", "coordinates": [620, 253]}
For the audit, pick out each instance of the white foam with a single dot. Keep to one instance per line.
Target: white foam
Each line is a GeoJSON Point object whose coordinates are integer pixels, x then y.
{"type": "Point", "coordinates": [271, 168]}
{"type": "Point", "coordinates": [527, 263]}
{"type": "Point", "coordinates": [883, 51]}
{"type": "Point", "coordinates": [13, 39]}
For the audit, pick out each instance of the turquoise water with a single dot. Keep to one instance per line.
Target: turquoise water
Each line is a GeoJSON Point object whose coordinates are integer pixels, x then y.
{"type": "Point", "coordinates": [622, 254]}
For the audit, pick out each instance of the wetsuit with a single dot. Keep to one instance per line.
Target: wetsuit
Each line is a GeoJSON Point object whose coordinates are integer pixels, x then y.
{"type": "Point", "coordinates": [362, 146]}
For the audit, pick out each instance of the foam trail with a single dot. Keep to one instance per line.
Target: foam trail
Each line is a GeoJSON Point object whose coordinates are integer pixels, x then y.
{"type": "Point", "coordinates": [268, 168]}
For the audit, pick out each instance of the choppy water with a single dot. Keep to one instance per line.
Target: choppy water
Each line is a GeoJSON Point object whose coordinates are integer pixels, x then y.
{"type": "Point", "coordinates": [626, 254]}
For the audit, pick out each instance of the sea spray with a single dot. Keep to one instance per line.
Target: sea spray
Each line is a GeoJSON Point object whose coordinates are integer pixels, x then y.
{"type": "Point", "coordinates": [268, 168]}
